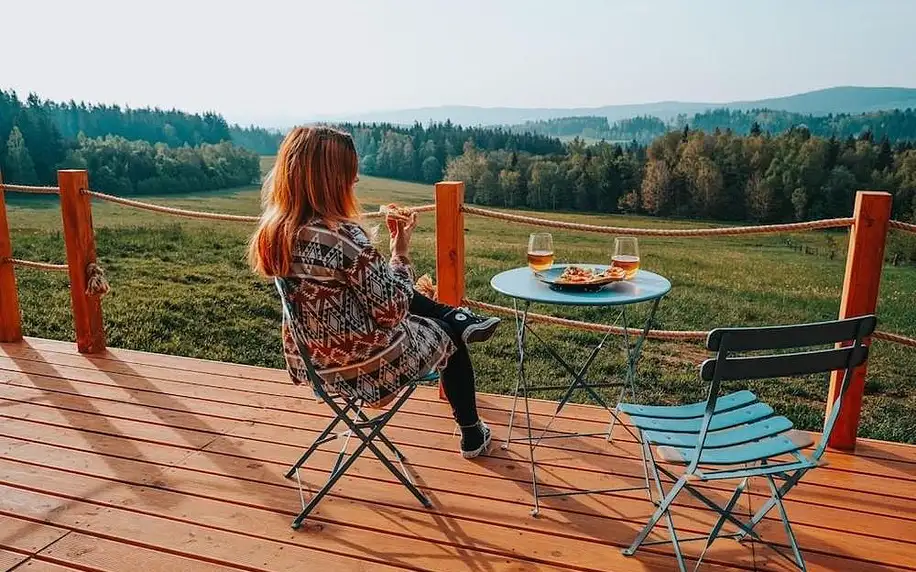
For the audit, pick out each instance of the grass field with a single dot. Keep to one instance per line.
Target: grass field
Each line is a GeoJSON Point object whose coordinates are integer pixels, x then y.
{"type": "Point", "coordinates": [182, 287]}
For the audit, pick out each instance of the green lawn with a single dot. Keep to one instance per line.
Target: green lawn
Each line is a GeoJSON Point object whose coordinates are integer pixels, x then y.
{"type": "Point", "coordinates": [182, 287]}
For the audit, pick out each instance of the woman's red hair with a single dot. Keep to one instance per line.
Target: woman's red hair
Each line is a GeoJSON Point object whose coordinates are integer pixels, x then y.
{"type": "Point", "coordinates": [313, 177]}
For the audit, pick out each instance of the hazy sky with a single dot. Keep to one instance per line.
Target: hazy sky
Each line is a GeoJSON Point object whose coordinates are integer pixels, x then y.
{"type": "Point", "coordinates": [279, 60]}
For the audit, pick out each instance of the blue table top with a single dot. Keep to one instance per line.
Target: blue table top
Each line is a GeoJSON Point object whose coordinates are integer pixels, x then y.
{"type": "Point", "coordinates": [520, 283]}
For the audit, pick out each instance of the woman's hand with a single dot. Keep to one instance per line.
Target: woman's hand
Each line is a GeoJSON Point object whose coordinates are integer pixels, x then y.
{"type": "Point", "coordinates": [401, 233]}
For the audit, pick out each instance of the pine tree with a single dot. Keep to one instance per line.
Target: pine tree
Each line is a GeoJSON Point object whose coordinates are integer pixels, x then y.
{"type": "Point", "coordinates": [19, 166]}
{"type": "Point", "coordinates": [755, 130]}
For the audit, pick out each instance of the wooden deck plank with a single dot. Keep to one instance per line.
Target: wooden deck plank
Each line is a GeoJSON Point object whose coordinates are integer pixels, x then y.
{"type": "Point", "coordinates": [34, 565]}
{"type": "Point", "coordinates": [446, 444]}
{"type": "Point", "coordinates": [102, 441]}
{"type": "Point", "coordinates": [279, 498]}
{"type": "Point", "coordinates": [582, 455]}
{"type": "Point", "coordinates": [193, 369]}
{"type": "Point", "coordinates": [270, 382]}
{"type": "Point", "coordinates": [161, 533]}
{"type": "Point", "coordinates": [874, 526]}
{"type": "Point", "coordinates": [161, 393]}
{"type": "Point", "coordinates": [243, 467]}
{"type": "Point", "coordinates": [251, 524]}
{"type": "Point", "coordinates": [84, 551]}
{"type": "Point", "coordinates": [9, 559]}
{"type": "Point", "coordinates": [26, 537]}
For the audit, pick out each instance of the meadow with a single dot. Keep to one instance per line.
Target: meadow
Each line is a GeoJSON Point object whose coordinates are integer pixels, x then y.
{"type": "Point", "coordinates": [183, 287]}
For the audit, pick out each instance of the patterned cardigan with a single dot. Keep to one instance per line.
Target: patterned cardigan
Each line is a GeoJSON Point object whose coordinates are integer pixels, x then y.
{"type": "Point", "coordinates": [351, 306]}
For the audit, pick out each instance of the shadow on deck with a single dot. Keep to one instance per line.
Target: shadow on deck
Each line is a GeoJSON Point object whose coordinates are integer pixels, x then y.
{"type": "Point", "coordinates": [128, 460]}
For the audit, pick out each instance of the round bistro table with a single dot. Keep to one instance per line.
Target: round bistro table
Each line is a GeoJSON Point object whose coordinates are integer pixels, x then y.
{"type": "Point", "coordinates": [525, 289]}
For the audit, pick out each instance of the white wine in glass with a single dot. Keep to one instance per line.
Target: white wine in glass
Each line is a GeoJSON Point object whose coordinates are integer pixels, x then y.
{"type": "Point", "coordinates": [626, 255]}
{"type": "Point", "coordinates": [540, 251]}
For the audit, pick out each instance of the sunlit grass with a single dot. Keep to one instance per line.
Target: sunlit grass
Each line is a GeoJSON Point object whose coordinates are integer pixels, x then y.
{"type": "Point", "coordinates": [182, 286]}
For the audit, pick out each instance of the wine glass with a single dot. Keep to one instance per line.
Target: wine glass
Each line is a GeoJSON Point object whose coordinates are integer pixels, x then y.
{"type": "Point", "coordinates": [626, 255]}
{"type": "Point", "coordinates": [540, 251]}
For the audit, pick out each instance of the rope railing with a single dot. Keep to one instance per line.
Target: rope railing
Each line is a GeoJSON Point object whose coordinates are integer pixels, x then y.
{"type": "Point", "coordinates": [904, 226]}
{"type": "Point", "coordinates": [695, 232]}
{"type": "Point", "coordinates": [30, 189]}
{"type": "Point", "coordinates": [202, 215]}
{"type": "Point", "coordinates": [669, 335]}
{"type": "Point", "coordinates": [895, 339]}
{"type": "Point", "coordinates": [689, 335]}
{"type": "Point", "coordinates": [169, 210]}
{"type": "Point", "coordinates": [96, 281]}
{"type": "Point", "coordinates": [37, 265]}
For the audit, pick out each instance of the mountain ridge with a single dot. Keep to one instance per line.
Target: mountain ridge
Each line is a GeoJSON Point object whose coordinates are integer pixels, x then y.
{"type": "Point", "coordinates": [839, 99]}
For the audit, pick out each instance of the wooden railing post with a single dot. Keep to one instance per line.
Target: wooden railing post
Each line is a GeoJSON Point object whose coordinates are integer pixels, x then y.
{"type": "Point", "coordinates": [76, 212]}
{"type": "Point", "coordinates": [449, 244]}
{"type": "Point", "coordinates": [864, 262]}
{"type": "Point", "coordinates": [10, 319]}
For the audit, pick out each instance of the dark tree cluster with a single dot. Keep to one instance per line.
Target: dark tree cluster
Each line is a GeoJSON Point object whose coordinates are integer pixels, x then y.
{"type": "Point", "coordinates": [420, 153]}
{"type": "Point", "coordinates": [172, 127]}
{"type": "Point", "coordinates": [126, 151]}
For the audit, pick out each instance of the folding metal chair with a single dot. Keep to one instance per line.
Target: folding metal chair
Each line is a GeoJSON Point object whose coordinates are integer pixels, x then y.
{"type": "Point", "coordinates": [349, 412]}
{"type": "Point", "coordinates": [737, 437]}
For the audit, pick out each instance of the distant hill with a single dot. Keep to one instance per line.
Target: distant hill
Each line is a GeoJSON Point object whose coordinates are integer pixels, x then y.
{"type": "Point", "coordinates": [820, 102]}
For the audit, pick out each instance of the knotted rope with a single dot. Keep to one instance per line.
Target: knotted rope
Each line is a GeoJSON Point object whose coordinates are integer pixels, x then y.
{"type": "Point", "coordinates": [30, 189]}
{"type": "Point", "coordinates": [724, 231]}
{"type": "Point", "coordinates": [96, 282]}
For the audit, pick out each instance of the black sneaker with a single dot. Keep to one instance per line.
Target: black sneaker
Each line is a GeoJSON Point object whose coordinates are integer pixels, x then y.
{"type": "Point", "coordinates": [475, 441]}
{"type": "Point", "coordinates": [470, 326]}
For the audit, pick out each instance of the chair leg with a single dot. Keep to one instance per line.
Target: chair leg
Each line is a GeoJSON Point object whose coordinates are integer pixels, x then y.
{"type": "Point", "coordinates": [729, 507]}
{"type": "Point", "coordinates": [400, 475]}
{"type": "Point", "coordinates": [320, 440]}
{"type": "Point", "coordinates": [672, 531]}
{"type": "Point", "coordinates": [338, 472]}
{"type": "Point", "coordinates": [656, 516]}
{"type": "Point", "coordinates": [768, 506]}
{"type": "Point", "coordinates": [777, 496]}
{"type": "Point", "coordinates": [391, 447]}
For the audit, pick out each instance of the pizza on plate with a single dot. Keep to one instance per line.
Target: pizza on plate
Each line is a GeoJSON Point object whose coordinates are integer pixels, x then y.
{"type": "Point", "coordinates": [580, 275]}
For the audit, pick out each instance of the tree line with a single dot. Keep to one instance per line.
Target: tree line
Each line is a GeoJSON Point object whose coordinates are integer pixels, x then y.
{"type": "Point", "coordinates": [720, 175]}
{"type": "Point", "coordinates": [143, 151]}
{"type": "Point", "coordinates": [172, 127]}
{"type": "Point", "coordinates": [896, 125]}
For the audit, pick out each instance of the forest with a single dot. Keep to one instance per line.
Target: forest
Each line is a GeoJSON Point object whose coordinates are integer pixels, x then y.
{"type": "Point", "coordinates": [896, 125]}
{"type": "Point", "coordinates": [127, 151]}
{"type": "Point", "coordinates": [720, 175]}
{"type": "Point", "coordinates": [717, 174]}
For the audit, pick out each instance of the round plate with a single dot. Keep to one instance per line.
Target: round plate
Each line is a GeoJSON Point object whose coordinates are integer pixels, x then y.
{"type": "Point", "coordinates": [552, 275]}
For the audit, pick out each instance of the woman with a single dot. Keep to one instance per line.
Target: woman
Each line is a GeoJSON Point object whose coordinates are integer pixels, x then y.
{"type": "Point", "coordinates": [368, 332]}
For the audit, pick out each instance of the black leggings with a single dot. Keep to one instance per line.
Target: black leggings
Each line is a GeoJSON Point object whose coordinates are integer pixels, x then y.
{"type": "Point", "coordinates": [458, 374]}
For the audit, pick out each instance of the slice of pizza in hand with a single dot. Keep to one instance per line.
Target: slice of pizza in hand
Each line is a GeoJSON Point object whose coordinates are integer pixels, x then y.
{"type": "Point", "coordinates": [395, 212]}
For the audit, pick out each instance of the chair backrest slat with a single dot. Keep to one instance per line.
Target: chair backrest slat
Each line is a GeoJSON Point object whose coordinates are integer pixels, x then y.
{"type": "Point", "coordinates": [785, 365]}
{"type": "Point", "coordinates": [295, 332]}
{"type": "Point", "coordinates": [782, 337]}
{"type": "Point", "coordinates": [849, 334]}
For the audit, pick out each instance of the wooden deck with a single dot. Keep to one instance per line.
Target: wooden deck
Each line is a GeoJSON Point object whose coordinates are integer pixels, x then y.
{"type": "Point", "coordinates": [136, 461]}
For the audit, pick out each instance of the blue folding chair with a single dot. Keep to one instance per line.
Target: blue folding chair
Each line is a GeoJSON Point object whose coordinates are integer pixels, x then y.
{"type": "Point", "coordinates": [350, 413]}
{"type": "Point", "coordinates": [737, 437]}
